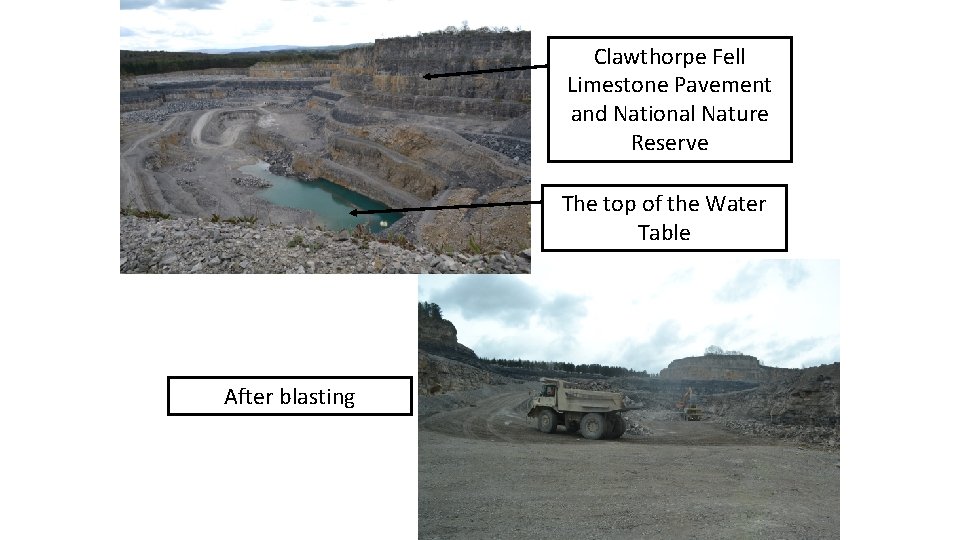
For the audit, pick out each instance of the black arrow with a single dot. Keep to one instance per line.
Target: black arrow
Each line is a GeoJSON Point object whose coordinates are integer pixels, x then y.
{"type": "Point", "coordinates": [429, 76]}
{"type": "Point", "coordinates": [356, 212]}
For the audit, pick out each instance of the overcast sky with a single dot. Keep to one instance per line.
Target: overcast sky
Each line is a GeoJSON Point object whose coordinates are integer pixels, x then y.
{"type": "Point", "coordinates": [784, 312]}
{"type": "Point", "coordinates": [180, 25]}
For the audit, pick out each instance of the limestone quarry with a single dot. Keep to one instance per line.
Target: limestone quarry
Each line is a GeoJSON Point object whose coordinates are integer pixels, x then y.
{"type": "Point", "coordinates": [369, 123]}
{"type": "Point", "coordinates": [722, 367]}
{"type": "Point", "coordinates": [763, 462]}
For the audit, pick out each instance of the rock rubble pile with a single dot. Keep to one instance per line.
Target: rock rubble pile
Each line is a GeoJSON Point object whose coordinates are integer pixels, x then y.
{"type": "Point", "coordinates": [232, 246]}
{"type": "Point", "coordinates": [802, 435]}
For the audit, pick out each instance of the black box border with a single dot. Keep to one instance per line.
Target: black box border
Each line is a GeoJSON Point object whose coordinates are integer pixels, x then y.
{"type": "Point", "coordinates": [408, 377]}
{"type": "Point", "coordinates": [790, 38]}
{"type": "Point", "coordinates": [786, 219]}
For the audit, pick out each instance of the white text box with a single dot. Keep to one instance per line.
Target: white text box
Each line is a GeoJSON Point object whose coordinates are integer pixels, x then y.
{"type": "Point", "coordinates": [660, 217]}
{"type": "Point", "coordinates": [273, 396]}
{"type": "Point", "coordinates": [683, 99]}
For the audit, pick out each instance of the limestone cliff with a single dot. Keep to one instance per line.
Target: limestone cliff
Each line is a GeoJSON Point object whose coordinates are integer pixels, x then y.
{"type": "Point", "coordinates": [808, 396]}
{"type": "Point", "coordinates": [439, 336]}
{"type": "Point", "coordinates": [437, 374]}
{"type": "Point", "coordinates": [722, 367]}
{"type": "Point", "coordinates": [390, 73]}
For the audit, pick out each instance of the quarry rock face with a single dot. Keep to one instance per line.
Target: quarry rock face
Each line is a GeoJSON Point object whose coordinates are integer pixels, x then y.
{"type": "Point", "coordinates": [808, 397]}
{"type": "Point", "coordinates": [390, 73]}
{"type": "Point", "coordinates": [721, 367]}
{"type": "Point", "coordinates": [439, 336]}
{"type": "Point", "coordinates": [439, 332]}
{"type": "Point", "coordinates": [291, 70]}
{"type": "Point", "coordinates": [804, 406]}
{"type": "Point", "coordinates": [437, 374]}
{"type": "Point", "coordinates": [443, 364]}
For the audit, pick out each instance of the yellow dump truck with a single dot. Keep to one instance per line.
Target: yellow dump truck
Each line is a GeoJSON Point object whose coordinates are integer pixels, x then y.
{"type": "Point", "coordinates": [594, 413]}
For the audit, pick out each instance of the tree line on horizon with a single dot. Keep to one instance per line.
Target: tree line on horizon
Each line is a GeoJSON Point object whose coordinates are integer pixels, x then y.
{"type": "Point", "coordinates": [464, 29]}
{"type": "Point", "coordinates": [152, 62]}
{"type": "Point", "coordinates": [714, 350]}
{"type": "Point", "coordinates": [569, 367]}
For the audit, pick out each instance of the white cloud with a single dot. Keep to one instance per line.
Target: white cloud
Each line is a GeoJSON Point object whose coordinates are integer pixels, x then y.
{"type": "Point", "coordinates": [753, 277]}
{"type": "Point", "coordinates": [237, 23]}
{"type": "Point", "coordinates": [786, 313]}
{"type": "Point", "coordinates": [510, 299]}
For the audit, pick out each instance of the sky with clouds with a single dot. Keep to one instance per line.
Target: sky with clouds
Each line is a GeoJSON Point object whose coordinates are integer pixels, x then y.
{"type": "Point", "coordinates": [181, 25]}
{"type": "Point", "coordinates": [784, 312]}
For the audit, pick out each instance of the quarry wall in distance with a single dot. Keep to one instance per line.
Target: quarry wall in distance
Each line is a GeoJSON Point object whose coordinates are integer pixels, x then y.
{"type": "Point", "coordinates": [722, 367]}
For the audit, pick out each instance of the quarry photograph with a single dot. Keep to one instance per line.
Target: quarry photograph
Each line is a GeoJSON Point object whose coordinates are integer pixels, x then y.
{"type": "Point", "coordinates": [252, 161]}
{"type": "Point", "coordinates": [704, 404]}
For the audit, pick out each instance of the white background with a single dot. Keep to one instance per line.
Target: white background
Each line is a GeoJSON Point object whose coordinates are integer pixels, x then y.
{"type": "Point", "coordinates": [90, 453]}
{"type": "Point", "coordinates": [613, 139]}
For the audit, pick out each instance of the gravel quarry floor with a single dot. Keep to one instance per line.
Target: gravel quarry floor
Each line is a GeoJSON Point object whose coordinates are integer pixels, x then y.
{"type": "Point", "coordinates": [485, 472]}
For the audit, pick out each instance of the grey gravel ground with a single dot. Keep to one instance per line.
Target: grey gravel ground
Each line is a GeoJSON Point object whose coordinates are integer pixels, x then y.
{"type": "Point", "coordinates": [200, 246]}
{"type": "Point", "coordinates": [485, 472]}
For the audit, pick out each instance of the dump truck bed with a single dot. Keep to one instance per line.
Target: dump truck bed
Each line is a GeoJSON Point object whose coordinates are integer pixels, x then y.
{"type": "Point", "coordinates": [571, 399]}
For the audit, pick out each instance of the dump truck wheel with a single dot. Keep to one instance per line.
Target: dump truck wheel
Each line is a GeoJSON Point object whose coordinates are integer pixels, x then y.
{"type": "Point", "coordinates": [547, 421]}
{"type": "Point", "coordinates": [593, 426]}
{"type": "Point", "coordinates": [619, 427]}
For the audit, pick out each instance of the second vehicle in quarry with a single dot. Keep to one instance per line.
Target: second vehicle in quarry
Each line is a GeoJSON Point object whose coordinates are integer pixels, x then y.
{"type": "Point", "coordinates": [596, 414]}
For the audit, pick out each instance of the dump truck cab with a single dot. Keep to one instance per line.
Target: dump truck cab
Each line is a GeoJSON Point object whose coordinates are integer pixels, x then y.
{"type": "Point", "coordinates": [596, 414]}
{"type": "Point", "coordinates": [550, 390]}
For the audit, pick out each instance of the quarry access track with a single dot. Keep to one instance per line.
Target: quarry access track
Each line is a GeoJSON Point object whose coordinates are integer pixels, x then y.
{"type": "Point", "coordinates": [485, 472]}
{"type": "Point", "coordinates": [230, 134]}
{"type": "Point", "coordinates": [138, 185]}
{"type": "Point", "coordinates": [503, 417]}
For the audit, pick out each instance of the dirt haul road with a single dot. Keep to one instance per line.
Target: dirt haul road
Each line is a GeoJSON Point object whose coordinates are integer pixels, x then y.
{"type": "Point", "coordinates": [485, 472]}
